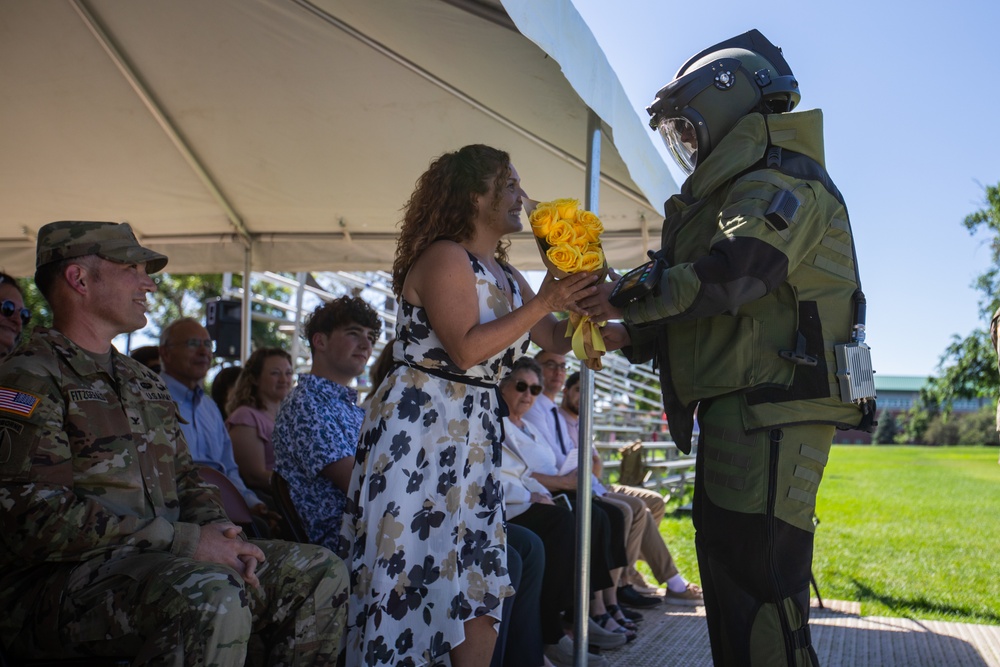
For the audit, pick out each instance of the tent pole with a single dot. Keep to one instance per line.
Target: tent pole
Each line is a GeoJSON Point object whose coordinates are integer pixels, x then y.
{"type": "Point", "coordinates": [584, 468]}
{"type": "Point", "coordinates": [245, 307]}
{"type": "Point", "coordinates": [300, 291]}
{"type": "Point", "coordinates": [145, 95]}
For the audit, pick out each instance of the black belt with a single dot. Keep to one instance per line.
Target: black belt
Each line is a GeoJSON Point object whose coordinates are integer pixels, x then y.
{"type": "Point", "coordinates": [463, 379]}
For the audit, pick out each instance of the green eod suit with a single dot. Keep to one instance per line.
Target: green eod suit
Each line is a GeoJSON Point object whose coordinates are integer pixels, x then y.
{"type": "Point", "coordinates": [743, 326]}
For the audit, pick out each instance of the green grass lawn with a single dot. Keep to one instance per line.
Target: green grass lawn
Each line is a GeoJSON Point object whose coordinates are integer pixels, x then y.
{"type": "Point", "coordinates": [906, 531]}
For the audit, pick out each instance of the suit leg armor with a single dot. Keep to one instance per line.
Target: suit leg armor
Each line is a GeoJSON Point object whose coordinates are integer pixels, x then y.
{"type": "Point", "coordinates": [754, 504]}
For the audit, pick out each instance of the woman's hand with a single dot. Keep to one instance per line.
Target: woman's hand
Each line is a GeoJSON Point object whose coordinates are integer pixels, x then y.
{"type": "Point", "coordinates": [564, 293]}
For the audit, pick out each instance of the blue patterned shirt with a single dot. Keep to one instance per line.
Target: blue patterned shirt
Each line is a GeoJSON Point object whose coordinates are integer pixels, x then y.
{"type": "Point", "coordinates": [318, 423]}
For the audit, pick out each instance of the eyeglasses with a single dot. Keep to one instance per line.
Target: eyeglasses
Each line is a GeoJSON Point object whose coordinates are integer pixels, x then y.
{"type": "Point", "coordinates": [554, 366]}
{"type": "Point", "coordinates": [8, 308]}
{"type": "Point", "coordinates": [195, 343]}
{"type": "Point", "coordinates": [521, 386]}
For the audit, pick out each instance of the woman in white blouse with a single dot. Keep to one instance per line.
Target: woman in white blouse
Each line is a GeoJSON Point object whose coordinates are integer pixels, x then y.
{"type": "Point", "coordinates": [529, 503]}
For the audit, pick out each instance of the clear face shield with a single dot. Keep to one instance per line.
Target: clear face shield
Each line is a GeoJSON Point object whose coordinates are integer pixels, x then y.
{"type": "Point", "coordinates": [681, 138]}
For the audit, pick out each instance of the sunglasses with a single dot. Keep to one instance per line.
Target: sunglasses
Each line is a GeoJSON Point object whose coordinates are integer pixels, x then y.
{"type": "Point", "coordinates": [7, 308]}
{"type": "Point", "coordinates": [521, 386]}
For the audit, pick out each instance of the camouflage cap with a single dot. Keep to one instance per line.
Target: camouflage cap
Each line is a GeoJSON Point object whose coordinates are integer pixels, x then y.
{"type": "Point", "coordinates": [113, 241]}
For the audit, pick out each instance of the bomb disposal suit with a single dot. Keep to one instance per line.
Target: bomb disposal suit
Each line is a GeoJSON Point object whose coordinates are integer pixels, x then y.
{"type": "Point", "coordinates": [755, 287]}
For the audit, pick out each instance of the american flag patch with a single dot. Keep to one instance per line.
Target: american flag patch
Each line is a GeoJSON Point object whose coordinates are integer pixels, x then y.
{"type": "Point", "coordinates": [17, 402]}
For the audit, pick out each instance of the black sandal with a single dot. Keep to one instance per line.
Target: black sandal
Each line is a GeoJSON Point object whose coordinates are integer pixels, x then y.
{"type": "Point", "coordinates": [622, 618]}
{"type": "Point", "coordinates": [630, 614]}
{"type": "Point", "coordinates": [603, 621]}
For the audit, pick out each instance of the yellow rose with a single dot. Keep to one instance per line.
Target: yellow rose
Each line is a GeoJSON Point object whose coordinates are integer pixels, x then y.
{"type": "Point", "coordinates": [541, 219]}
{"type": "Point", "coordinates": [567, 207]}
{"type": "Point", "coordinates": [564, 257]}
{"type": "Point", "coordinates": [592, 260]}
{"type": "Point", "coordinates": [560, 231]}
{"type": "Point", "coordinates": [592, 224]}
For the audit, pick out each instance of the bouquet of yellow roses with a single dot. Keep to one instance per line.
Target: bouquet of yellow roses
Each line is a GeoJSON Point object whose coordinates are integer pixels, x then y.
{"type": "Point", "coordinates": [569, 239]}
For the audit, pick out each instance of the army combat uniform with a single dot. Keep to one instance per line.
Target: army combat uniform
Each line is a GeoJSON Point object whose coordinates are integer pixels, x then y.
{"type": "Point", "coordinates": [101, 515]}
{"type": "Point", "coordinates": [743, 325]}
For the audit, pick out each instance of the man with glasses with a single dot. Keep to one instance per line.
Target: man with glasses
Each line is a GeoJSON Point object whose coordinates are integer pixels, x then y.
{"type": "Point", "coordinates": [186, 354]}
{"type": "Point", "coordinates": [112, 544]}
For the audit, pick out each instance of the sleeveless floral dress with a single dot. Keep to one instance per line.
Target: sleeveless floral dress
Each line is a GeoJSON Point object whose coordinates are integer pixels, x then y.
{"type": "Point", "coordinates": [425, 521]}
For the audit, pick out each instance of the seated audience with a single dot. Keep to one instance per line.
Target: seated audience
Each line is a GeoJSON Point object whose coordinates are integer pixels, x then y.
{"type": "Point", "coordinates": [113, 545]}
{"type": "Point", "coordinates": [148, 356]}
{"type": "Point", "coordinates": [530, 504]}
{"type": "Point", "coordinates": [222, 387]}
{"type": "Point", "coordinates": [265, 380]}
{"type": "Point", "coordinates": [546, 418]}
{"type": "Point", "coordinates": [316, 432]}
{"type": "Point", "coordinates": [13, 315]}
{"type": "Point", "coordinates": [186, 355]}
{"type": "Point", "coordinates": [649, 507]}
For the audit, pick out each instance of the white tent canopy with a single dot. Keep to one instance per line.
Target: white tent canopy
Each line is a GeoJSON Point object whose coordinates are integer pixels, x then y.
{"type": "Point", "coordinates": [286, 135]}
{"type": "Point", "coordinates": [298, 128]}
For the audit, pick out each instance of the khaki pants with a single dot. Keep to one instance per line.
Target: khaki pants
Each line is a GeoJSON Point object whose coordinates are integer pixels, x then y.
{"type": "Point", "coordinates": [645, 542]}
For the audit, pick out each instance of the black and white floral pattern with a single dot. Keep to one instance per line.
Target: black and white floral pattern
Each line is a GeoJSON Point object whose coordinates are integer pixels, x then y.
{"type": "Point", "coordinates": [424, 522]}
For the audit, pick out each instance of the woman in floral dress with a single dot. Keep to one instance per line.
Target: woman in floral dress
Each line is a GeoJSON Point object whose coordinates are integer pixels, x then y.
{"type": "Point", "coordinates": [425, 517]}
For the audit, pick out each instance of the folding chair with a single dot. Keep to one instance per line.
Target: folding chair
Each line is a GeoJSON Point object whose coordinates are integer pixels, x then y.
{"type": "Point", "coordinates": [279, 490]}
{"type": "Point", "coordinates": [232, 501]}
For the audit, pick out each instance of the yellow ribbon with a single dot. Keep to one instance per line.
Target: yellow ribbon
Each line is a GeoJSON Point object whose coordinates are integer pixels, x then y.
{"type": "Point", "coordinates": [588, 343]}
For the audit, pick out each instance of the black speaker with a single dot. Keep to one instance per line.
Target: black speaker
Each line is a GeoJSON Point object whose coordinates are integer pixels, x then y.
{"type": "Point", "coordinates": [222, 319]}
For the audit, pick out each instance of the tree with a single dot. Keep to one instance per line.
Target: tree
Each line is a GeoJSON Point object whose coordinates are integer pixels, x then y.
{"type": "Point", "coordinates": [182, 295]}
{"type": "Point", "coordinates": [979, 428]}
{"type": "Point", "coordinates": [185, 295]}
{"type": "Point", "coordinates": [967, 370]}
{"type": "Point", "coordinates": [968, 367]}
{"type": "Point", "coordinates": [918, 418]}
{"type": "Point", "coordinates": [885, 432]}
{"type": "Point", "coordinates": [41, 315]}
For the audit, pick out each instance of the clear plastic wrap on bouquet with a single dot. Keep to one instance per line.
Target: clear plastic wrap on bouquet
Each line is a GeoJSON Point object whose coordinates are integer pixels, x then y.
{"type": "Point", "coordinates": [569, 240]}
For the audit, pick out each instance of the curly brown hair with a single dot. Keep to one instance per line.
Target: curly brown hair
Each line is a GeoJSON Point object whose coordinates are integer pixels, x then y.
{"type": "Point", "coordinates": [341, 312]}
{"type": "Point", "coordinates": [245, 391]}
{"type": "Point", "coordinates": [441, 206]}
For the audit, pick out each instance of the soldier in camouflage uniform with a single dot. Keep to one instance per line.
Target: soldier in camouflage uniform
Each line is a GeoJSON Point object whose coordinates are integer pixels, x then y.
{"type": "Point", "coordinates": [111, 544]}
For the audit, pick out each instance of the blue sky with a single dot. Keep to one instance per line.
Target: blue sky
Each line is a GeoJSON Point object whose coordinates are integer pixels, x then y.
{"type": "Point", "coordinates": [910, 100]}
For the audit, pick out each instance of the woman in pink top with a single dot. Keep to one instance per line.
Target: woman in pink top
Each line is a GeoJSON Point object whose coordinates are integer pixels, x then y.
{"type": "Point", "coordinates": [264, 381]}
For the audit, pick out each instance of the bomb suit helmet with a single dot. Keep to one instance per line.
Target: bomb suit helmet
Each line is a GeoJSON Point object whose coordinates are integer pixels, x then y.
{"type": "Point", "coordinates": [717, 87]}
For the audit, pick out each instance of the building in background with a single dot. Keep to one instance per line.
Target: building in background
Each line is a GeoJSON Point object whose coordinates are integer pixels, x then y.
{"type": "Point", "coordinates": [896, 395]}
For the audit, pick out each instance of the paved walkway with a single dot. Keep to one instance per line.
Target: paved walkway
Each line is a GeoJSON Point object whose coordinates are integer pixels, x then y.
{"type": "Point", "coordinates": [678, 637]}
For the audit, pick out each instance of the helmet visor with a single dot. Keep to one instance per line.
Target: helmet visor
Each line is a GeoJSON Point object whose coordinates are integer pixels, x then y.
{"type": "Point", "coordinates": [682, 140]}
